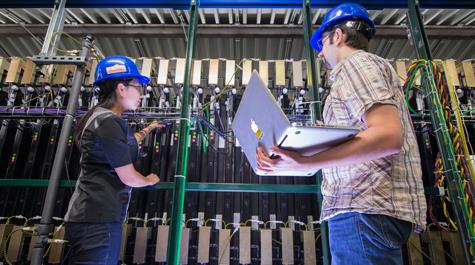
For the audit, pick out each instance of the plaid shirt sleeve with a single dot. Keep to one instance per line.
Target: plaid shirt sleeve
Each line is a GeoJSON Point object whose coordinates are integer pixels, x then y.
{"type": "Point", "coordinates": [364, 87]}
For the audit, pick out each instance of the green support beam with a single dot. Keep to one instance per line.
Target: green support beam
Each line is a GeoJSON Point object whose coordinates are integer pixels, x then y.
{"type": "Point", "coordinates": [316, 114]}
{"type": "Point", "coordinates": [173, 254]}
{"type": "Point", "coordinates": [418, 34]}
{"type": "Point", "coordinates": [198, 186]}
{"type": "Point", "coordinates": [257, 188]}
{"type": "Point", "coordinates": [444, 142]}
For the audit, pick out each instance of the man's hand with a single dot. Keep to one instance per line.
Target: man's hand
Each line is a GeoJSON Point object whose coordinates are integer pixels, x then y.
{"type": "Point", "coordinates": [281, 161]}
{"type": "Point", "coordinates": [384, 137]}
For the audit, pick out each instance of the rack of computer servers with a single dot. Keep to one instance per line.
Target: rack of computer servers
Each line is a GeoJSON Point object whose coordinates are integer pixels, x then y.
{"type": "Point", "coordinates": [199, 56]}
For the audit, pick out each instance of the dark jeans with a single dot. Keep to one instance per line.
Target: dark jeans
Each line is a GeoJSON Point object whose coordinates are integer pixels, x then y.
{"type": "Point", "coordinates": [93, 243]}
{"type": "Point", "coordinates": [357, 238]}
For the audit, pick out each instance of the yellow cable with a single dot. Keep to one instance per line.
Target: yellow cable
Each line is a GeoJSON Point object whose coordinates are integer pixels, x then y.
{"type": "Point", "coordinates": [459, 136]}
{"type": "Point", "coordinates": [5, 255]}
{"type": "Point", "coordinates": [67, 35]}
{"type": "Point", "coordinates": [76, 40]}
{"type": "Point", "coordinates": [453, 130]}
{"type": "Point", "coordinates": [422, 252]}
{"type": "Point", "coordinates": [47, 251]}
{"type": "Point", "coordinates": [318, 236]}
{"type": "Point", "coordinates": [226, 226]}
{"type": "Point", "coordinates": [51, 243]}
{"type": "Point", "coordinates": [228, 241]}
{"type": "Point", "coordinates": [30, 100]}
{"type": "Point", "coordinates": [186, 223]}
{"type": "Point", "coordinates": [444, 205]}
{"type": "Point", "coordinates": [16, 216]}
{"type": "Point", "coordinates": [71, 37]}
{"type": "Point", "coordinates": [431, 242]}
{"type": "Point", "coordinates": [135, 219]}
{"type": "Point", "coordinates": [460, 123]}
{"type": "Point", "coordinates": [286, 224]}
{"type": "Point", "coordinates": [265, 224]}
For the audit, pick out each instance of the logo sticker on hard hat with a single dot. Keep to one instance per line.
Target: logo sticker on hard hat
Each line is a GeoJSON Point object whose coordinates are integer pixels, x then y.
{"type": "Point", "coordinates": [116, 68]}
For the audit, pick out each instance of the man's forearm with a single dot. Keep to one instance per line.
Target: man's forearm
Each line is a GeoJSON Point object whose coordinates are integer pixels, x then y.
{"type": "Point", "coordinates": [367, 145]}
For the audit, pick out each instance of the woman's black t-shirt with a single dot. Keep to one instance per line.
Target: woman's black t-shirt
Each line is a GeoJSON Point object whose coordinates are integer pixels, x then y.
{"type": "Point", "coordinates": [100, 195]}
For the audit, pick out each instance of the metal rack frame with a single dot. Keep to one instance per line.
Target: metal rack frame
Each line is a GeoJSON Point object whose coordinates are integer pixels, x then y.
{"type": "Point", "coordinates": [455, 190]}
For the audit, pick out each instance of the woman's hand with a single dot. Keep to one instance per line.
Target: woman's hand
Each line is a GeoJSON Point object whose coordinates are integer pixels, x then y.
{"type": "Point", "coordinates": [152, 178]}
{"type": "Point", "coordinates": [139, 136]}
{"type": "Point", "coordinates": [131, 177]}
{"type": "Point", "coordinates": [155, 124]}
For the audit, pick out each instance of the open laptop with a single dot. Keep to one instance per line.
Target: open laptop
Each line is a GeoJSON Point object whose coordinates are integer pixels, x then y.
{"type": "Point", "coordinates": [260, 121]}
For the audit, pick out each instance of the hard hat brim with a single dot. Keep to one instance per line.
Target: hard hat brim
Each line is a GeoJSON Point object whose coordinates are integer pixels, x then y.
{"type": "Point", "coordinates": [141, 78]}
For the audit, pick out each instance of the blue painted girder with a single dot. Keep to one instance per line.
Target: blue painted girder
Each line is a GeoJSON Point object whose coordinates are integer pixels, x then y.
{"type": "Point", "coordinates": [184, 4]}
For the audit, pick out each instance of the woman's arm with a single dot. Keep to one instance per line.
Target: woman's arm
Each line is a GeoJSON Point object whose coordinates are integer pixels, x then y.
{"type": "Point", "coordinates": [139, 136]}
{"type": "Point", "coordinates": [130, 177]}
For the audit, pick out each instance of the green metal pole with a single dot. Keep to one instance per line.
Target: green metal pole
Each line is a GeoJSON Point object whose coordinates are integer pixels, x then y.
{"type": "Point", "coordinates": [316, 112]}
{"type": "Point", "coordinates": [174, 238]}
{"type": "Point", "coordinates": [418, 34]}
{"type": "Point", "coordinates": [312, 81]}
{"type": "Point", "coordinates": [444, 142]}
{"type": "Point", "coordinates": [199, 186]}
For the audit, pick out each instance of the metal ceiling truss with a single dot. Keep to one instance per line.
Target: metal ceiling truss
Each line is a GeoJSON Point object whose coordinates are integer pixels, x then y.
{"type": "Point", "coordinates": [185, 4]}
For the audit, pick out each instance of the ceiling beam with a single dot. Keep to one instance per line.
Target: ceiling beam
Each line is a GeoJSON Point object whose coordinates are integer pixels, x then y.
{"type": "Point", "coordinates": [383, 31]}
{"type": "Point", "coordinates": [185, 4]}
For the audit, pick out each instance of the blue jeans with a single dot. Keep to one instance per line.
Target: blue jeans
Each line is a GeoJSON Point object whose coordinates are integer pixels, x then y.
{"type": "Point", "coordinates": [357, 238]}
{"type": "Point", "coordinates": [93, 243]}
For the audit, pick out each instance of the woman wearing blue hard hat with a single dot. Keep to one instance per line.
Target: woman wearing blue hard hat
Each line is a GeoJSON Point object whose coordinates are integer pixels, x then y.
{"type": "Point", "coordinates": [98, 206]}
{"type": "Point", "coordinates": [372, 189]}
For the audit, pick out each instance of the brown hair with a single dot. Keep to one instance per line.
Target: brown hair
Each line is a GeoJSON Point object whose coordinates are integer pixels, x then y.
{"type": "Point", "coordinates": [354, 38]}
{"type": "Point", "coordinates": [107, 99]}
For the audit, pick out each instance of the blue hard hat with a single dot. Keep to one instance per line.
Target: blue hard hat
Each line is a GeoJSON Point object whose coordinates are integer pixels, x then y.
{"type": "Point", "coordinates": [338, 15]}
{"type": "Point", "coordinates": [117, 67]}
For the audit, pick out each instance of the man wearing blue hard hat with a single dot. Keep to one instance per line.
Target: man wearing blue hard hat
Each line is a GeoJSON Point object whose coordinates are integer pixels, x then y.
{"type": "Point", "coordinates": [98, 206]}
{"type": "Point", "coordinates": [372, 186]}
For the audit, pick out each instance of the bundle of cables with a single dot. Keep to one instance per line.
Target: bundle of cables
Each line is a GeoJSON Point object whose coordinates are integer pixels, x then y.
{"type": "Point", "coordinates": [456, 129]}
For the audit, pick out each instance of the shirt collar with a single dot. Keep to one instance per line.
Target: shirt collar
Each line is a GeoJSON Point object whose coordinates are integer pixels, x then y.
{"type": "Point", "coordinates": [334, 72]}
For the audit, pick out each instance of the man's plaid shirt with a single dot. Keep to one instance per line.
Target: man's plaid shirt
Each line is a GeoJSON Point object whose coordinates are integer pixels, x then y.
{"type": "Point", "coordinates": [391, 185]}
